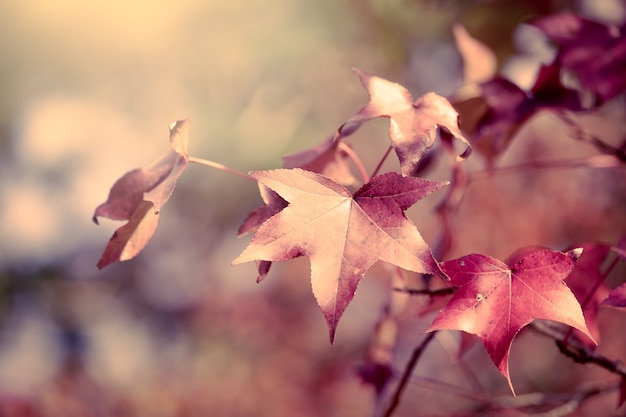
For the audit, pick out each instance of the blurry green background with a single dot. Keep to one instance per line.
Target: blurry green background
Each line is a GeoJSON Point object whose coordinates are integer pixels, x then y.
{"type": "Point", "coordinates": [87, 92]}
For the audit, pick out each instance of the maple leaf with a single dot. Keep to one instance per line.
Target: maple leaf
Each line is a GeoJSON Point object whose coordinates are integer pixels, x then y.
{"type": "Point", "coordinates": [138, 197]}
{"type": "Point", "coordinates": [272, 204]}
{"type": "Point", "coordinates": [617, 297]}
{"type": "Point", "coordinates": [342, 234]}
{"type": "Point", "coordinates": [594, 52]}
{"type": "Point", "coordinates": [326, 159]}
{"type": "Point", "coordinates": [495, 301]}
{"type": "Point", "coordinates": [494, 117]}
{"type": "Point", "coordinates": [413, 124]}
{"type": "Point", "coordinates": [587, 282]}
{"type": "Point", "coordinates": [479, 62]}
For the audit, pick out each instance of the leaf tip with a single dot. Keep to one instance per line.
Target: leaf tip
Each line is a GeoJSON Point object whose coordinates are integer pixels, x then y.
{"type": "Point", "coordinates": [331, 334]}
{"type": "Point", "coordinates": [102, 262]}
{"type": "Point", "coordinates": [576, 253]}
{"type": "Point", "coordinates": [179, 124]}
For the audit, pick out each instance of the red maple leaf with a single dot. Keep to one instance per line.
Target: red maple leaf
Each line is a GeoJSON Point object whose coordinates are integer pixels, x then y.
{"type": "Point", "coordinates": [594, 52]}
{"type": "Point", "coordinates": [138, 197]}
{"type": "Point", "coordinates": [617, 297]}
{"type": "Point", "coordinates": [342, 234]}
{"type": "Point", "coordinates": [493, 118]}
{"type": "Point", "coordinates": [495, 301]}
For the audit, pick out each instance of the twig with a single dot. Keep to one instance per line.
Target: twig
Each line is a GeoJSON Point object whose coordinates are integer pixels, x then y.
{"type": "Point", "coordinates": [584, 135]}
{"type": "Point", "coordinates": [597, 161]}
{"type": "Point", "coordinates": [565, 403]}
{"type": "Point", "coordinates": [408, 370]}
{"type": "Point", "coordinates": [426, 291]}
{"type": "Point", "coordinates": [577, 351]}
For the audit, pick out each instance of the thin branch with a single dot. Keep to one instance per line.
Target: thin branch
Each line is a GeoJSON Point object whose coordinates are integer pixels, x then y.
{"type": "Point", "coordinates": [436, 385]}
{"type": "Point", "coordinates": [577, 351]}
{"type": "Point", "coordinates": [584, 135]}
{"type": "Point", "coordinates": [565, 404]}
{"type": "Point", "coordinates": [382, 161]}
{"type": "Point", "coordinates": [597, 161]}
{"type": "Point", "coordinates": [408, 370]}
{"type": "Point", "coordinates": [427, 291]}
{"type": "Point", "coordinates": [355, 158]}
{"type": "Point", "coordinates": [221, 167]}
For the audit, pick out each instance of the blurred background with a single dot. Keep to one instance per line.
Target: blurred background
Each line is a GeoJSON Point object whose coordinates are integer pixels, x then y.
{"type": "Point", "coordinates": [88, 91]}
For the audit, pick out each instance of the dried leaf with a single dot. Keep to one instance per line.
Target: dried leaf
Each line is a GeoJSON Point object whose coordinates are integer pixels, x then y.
{"type": "Point", "coordinates": [138, 197]}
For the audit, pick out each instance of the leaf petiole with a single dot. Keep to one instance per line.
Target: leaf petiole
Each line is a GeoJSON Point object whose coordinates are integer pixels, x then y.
{"type": "Point", "coordinates": [221, 167]}
{"type": "Point", "coordinates": [357, 161]}
{"type": "Point", "coordinates": [382, 161]}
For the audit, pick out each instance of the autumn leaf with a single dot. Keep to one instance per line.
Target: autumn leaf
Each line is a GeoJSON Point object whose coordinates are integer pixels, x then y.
{"type": "Point", "coordinates": [593, 52]}
{"type": "Point", "coordinates": [495, 301]}
{"type": "Point", "coordinates": [272, 204]}
{"type": "Point", "coordinates": [587, 282]}
{"type": "Point", "coordinates": [327, 159]}
{"type": "Point", "coordinates": [413, 130]}
{"type": "Point", "coordinates": [342, 234]}
{"type": "Point", "coordinates": [493, 118]}
{"type": "Point", "coordinates": [413, 124]}
{"type": "Point", "coordinates": [617, 297]}
{"type": "Point", "coordinates": [479, 62]}
{"type": "Point", "coordinates": [138, 197]}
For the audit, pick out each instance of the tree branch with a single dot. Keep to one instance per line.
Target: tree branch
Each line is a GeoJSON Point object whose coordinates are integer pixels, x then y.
{"type": "Point", "coordinates": [577, 351]}
{"type": "Point", "coordinates": [565, 403]}
{"type": "Point", "coordinates": [408, 370]}
{"type": "Point", "coordinates": [427, 291]}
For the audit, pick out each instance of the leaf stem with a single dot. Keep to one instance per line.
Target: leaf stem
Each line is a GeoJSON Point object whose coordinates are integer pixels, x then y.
{"type": "Point", "coordinates": [221, 167]}
{"type": "Point", "coordinates": [382, 161]}
{"type": "Point", "coordinates": [408, 370]}
{"type": "Point", "coordinates": [355, 158]}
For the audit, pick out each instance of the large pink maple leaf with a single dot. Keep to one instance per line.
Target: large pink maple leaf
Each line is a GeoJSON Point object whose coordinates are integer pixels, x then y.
{"type": "Point", "coordinates": [342, 234]}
